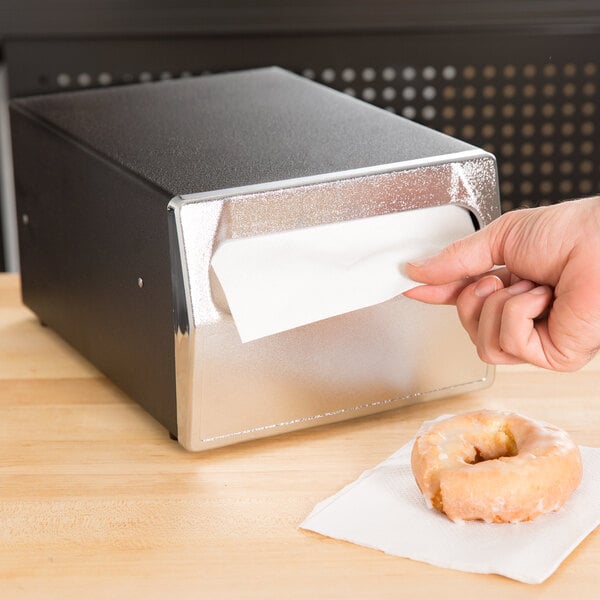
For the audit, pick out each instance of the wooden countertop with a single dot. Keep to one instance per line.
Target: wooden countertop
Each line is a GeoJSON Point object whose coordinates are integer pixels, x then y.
{"type": "Point", "coordinates": [97, 502]}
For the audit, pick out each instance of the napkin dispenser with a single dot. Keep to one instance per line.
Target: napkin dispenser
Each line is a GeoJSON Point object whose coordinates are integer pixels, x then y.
{"type": "Point", "coordinates": [125, 194]}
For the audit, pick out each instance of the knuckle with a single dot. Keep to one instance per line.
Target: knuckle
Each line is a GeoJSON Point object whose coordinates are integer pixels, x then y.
{"type": "Point", "coordinates": [566, 364]}
{"type": "Point", "coordinates": [464, 313]}
{"type": "Point", "coordinates": [464, 267]}
{"type": "Point", "coordinates": [460, 253]}
{"type": "Point", "coordinates": [472, 331]}
{"type": "Point", "coordinates": [510, 343]}
{"type": "Point", "coordinates": [484, 354]}
{"type": "Point", "coordinates": [512, 311]}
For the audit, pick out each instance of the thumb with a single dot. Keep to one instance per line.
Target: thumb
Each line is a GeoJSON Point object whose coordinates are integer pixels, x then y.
{"type": "Point", "coordinates": [467, 257]}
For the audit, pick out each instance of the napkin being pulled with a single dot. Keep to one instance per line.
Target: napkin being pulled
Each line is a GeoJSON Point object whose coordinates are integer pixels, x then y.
{"type": "Point", "coordinates": [384, 509]}
{"type": "Point", "coordinates": [284, 280]}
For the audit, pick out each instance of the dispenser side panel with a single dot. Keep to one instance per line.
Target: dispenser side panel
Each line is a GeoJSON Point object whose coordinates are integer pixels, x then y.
{"type": "Point", "coordinates": [95, 261]}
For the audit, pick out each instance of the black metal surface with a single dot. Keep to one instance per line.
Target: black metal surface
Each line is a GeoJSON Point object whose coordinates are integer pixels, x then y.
{"type": "Point", "coordinates": [26, 18]}
{"type": "Point", "coordinates": [204, 134]}
{"type": "Point", "coordinates": [88, 231]}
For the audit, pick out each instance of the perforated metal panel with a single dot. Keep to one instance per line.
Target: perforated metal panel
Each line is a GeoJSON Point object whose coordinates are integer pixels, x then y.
{"type": "Point", "coordinates": [532, 100]}
{"type": "Point", "coordinates": [541, 121]}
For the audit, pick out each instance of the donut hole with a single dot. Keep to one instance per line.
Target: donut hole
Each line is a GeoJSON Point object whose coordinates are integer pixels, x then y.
{"type": "Point", "coordinates": [479, 457]}
{"type": "Point", "coordinates": [501, 444]}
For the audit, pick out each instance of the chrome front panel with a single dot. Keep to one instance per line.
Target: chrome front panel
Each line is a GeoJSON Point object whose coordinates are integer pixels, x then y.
{"type": "Point", "coordinates": [389, 355]}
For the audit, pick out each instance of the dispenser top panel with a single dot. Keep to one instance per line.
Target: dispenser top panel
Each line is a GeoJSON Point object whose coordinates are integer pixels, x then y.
{"type": "Point", "coordinates": [236, 129]}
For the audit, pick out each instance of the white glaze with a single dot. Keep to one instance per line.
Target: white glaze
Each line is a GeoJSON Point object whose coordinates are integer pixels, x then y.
{"type": "Point", "coordinates": [443, 450]}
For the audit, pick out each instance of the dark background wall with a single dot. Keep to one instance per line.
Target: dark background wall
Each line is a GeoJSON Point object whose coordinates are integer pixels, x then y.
{"type": "Point", "coordinates": [520, 78]}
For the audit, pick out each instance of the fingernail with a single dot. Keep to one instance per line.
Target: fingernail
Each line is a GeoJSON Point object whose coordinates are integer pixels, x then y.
{"type": "Point", "coordinates": [418, 262]}
{"type": "Point", "coordinates": [522, 286]}
{"type": "Point", "coordinates": [487, 286]}
{"type": "Point", "coordinates": [539, 290]}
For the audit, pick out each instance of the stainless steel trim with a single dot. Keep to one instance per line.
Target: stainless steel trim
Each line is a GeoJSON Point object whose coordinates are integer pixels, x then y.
{"type": "Point", "coordinates": [7, 190]}
{"type": "Point", "coordinates": [397, 401]}
{"type": "Point", "coordinates": [329, 177]}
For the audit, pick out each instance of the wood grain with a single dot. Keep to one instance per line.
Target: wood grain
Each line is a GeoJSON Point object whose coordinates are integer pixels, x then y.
{"type": "Point", "coordinates": [97, 502]}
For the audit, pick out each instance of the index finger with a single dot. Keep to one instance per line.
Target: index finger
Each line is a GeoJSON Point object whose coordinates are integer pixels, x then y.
{"type": "Point", "coordinates": [448, 293]}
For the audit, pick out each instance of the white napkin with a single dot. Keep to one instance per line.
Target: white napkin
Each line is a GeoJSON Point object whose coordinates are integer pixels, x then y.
{"type": "Point", "coordinates": [284, 280]}
{"type": "Point", "coordinates": [384, 509]}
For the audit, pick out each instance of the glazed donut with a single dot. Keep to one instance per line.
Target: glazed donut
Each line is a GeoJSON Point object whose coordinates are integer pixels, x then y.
{"type": "Point", "coordinates": [494, 466]}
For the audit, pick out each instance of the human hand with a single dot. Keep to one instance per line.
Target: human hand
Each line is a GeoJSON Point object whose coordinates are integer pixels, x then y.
{"type": "Point", "coordinates": [543, 306]}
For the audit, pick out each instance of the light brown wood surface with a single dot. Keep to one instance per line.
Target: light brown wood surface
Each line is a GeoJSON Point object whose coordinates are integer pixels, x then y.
{"type": "Point", "coordinates": [97, 502]}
